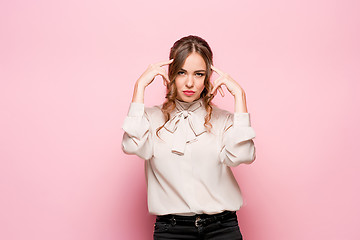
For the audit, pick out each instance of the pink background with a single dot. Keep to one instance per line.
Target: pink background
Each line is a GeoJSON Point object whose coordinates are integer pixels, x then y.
{"type": "Point", "coordinates": [67, 71]}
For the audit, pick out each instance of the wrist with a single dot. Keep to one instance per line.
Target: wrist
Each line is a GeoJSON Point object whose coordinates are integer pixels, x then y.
{"type": "Point", "coordinates": [138, 95]}
{"type": "Point", "coordinates": [240, 102]}
{"type": "Point", "coordinates": [139, 86]}
{"type": "Point", "coordinates": [239, 94]}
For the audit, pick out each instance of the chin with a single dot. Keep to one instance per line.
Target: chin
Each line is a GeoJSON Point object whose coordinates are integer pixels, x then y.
{"type": "Point", "coordinates": [188, 99]}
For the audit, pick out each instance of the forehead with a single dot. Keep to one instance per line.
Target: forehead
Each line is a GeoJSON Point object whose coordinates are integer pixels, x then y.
{"type": "Point", "coordinates": [194, 62]}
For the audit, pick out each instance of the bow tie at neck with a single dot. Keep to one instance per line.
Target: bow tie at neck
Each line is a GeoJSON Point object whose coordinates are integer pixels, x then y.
{"type": "Point", "coordinates": [186, 123]}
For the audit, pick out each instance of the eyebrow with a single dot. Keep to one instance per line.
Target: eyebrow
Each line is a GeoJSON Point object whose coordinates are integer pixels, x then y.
{"type": "Point", "coordinates": [194, 71]}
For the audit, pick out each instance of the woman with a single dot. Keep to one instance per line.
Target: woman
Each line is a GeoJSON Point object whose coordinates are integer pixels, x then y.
{"type": "Point", "coordinates": [189, 145]}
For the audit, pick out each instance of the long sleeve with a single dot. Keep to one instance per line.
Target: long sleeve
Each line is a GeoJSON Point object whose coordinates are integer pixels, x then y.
{"type": "Point", "coordinates": [237, 144]}
{"type": "Point", "coordinates": [137, 138]}
{"type": "Point", "coordinates": [187, 167]}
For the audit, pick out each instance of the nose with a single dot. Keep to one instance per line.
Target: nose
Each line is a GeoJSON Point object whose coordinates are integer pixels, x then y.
{"type": "Point", "coordinates": [189, 82]}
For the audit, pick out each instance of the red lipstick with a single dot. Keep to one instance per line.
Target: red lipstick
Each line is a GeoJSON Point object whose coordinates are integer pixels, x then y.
{"type": "Point", "coordinates": [188, 92]}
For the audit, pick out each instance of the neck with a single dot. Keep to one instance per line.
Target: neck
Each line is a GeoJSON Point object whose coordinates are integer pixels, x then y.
{"type": "Point", "coordinates": [186, 105]}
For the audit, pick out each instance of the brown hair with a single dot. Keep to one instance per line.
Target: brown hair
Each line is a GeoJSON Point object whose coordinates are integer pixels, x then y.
{"type": "Point", "coordinates": [181, 49]}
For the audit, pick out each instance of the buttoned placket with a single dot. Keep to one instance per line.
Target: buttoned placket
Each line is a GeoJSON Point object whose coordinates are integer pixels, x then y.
{"type": "Point", "coordinates": [188, 176]}
{"type": "Point", "coordinates": [186, 127]}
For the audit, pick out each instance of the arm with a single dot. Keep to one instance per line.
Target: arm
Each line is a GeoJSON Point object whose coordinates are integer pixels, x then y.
{"type": "Point", "coordinates": [238, 146]}
{"type": "Point", "coordinates": [147, 78]}
{"type": "Point", "coordinates": [233, 87]}
{"type": "Point", "coordinates": [137, 138]}
{"type": "Point", "coordinates": [137, 134]}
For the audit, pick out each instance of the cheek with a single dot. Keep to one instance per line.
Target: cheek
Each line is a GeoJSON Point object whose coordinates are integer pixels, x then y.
{"type": "Point", "coordinates": [200, 85]}
{"type": "Point", "coordinates": [179, 83]}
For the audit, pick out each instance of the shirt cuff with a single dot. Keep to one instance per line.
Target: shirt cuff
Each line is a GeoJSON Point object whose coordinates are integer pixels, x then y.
{"type": "Point", "coordinates": [242, 119]}
{"type": "Point", "coordinates": [136, 109]}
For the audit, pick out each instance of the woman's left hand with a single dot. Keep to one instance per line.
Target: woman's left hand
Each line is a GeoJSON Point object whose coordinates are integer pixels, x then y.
{"type": "Point", "coordinates": [232, 86]}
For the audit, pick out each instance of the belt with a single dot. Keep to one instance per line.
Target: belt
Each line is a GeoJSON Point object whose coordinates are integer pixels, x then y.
{"type": "Point", "coordinates": [197, 220]}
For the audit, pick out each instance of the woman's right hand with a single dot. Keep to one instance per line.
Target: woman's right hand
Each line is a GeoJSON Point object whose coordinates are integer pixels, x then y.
{"type": "Point", "coordinates": [148, 77]}
{"type": "Point", "coordinates": [152, 71]}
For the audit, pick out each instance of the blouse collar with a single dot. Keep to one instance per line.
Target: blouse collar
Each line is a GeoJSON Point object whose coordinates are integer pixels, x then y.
{"type": "Point", "coordinates": [186, 116]}
{"type": "Point", "coordinates": [191, 106]}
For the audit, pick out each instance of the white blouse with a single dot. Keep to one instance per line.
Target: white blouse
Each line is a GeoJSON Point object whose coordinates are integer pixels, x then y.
{"type": "Point", "coordinates": [187, 168]}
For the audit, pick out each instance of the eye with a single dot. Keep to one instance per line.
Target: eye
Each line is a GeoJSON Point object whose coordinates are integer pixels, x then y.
{"type": "Point", "coordinates": [181, 73]}
{"type": "Point", "coordinates": [200, 74]}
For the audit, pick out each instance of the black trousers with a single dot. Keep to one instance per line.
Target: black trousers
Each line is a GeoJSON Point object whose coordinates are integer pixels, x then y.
{"type": "Point", "coordinates": [220, 226]}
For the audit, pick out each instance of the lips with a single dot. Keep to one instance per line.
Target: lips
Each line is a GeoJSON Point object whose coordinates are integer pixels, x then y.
{"type": "Point", "coordinates": [188, 92]}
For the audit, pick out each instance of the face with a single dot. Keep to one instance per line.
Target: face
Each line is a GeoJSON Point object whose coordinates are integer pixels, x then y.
{"type": "Point", "coordinates": [190, 78]}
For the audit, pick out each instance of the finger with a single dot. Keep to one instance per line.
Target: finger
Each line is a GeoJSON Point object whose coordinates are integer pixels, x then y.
{"type": "Point", "coordinates": [216, 86]}
{"type": "Point", "coordinates": [164, 76]}
{"type": "Point", "coordinates": [165, 79]}
{"type": "Point", "coordinates": [213, 89]}
{"type": "Point", "coordinates": [221, 91]}
{"type": "Point", "coordinates": [216, 83]}
{"type": "Point", "coordinates": [218, 71]}
{"type": "Point", "coordinates": [165, 63]}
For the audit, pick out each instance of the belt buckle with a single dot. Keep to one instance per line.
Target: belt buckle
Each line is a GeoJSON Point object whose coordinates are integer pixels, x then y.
{"type": "Point", "coordinates": [197, 224]}
{"type": "Point", "coordinates": [173, 221]}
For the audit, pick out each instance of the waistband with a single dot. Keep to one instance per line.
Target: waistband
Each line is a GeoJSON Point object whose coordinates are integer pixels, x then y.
{"type": "Point", "coordinates": [196, 220]}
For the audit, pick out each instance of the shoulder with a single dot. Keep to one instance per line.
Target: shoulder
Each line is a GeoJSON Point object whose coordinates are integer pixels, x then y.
{"type": "Point", "coordinates": [220, 114]}
{"type": "Point", "coordinates": [153, 110]}
{"type": "Point", "coordinates": [155, 114]}
{"type": "Point", "coordinates": [221, 118]}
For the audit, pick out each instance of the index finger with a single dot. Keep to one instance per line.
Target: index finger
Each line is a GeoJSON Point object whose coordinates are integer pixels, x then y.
{"type": "Point", "coordinates": [165, 63]}
{"type": "Point", "coordinates": [217, 70]}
